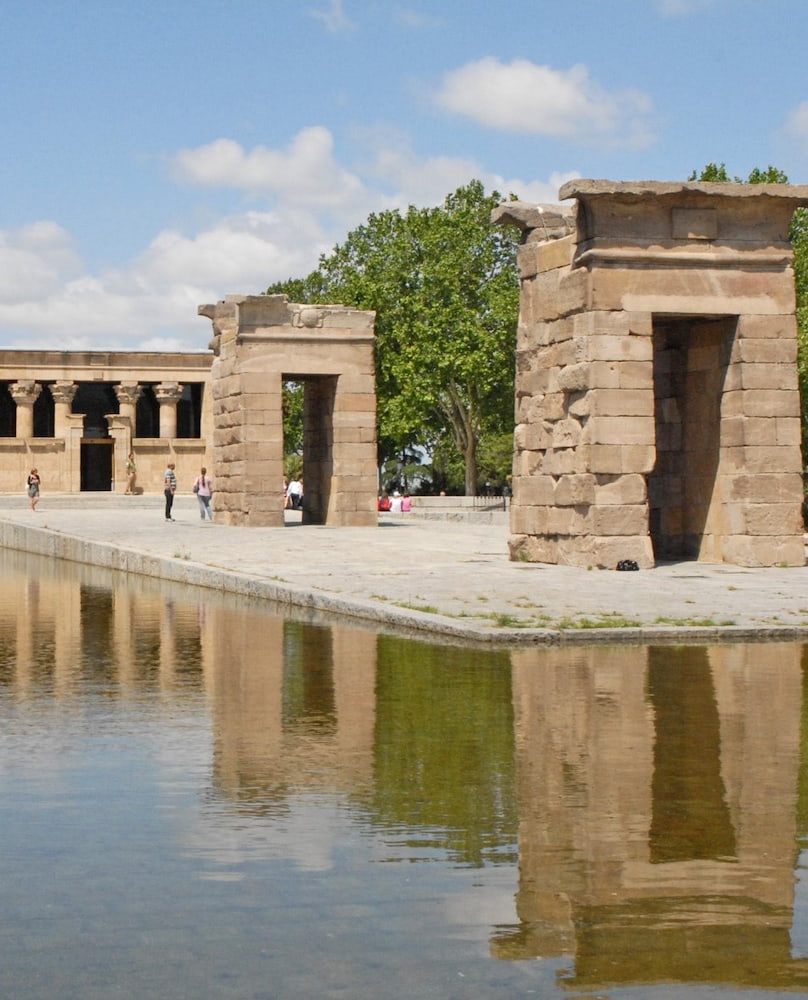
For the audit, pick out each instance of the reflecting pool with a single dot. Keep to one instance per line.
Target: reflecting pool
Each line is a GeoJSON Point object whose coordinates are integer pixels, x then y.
{"type": "Point", "coordinates": [202, 799]}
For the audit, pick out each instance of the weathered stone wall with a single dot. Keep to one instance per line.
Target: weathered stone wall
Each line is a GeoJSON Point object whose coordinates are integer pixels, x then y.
{"type": "Point", "coordinates": [260, 341]}
{"type": "Point", "coordinates": [657, 408]}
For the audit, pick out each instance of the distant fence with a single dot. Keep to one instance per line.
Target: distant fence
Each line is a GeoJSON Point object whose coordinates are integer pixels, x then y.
{"type": "Point", "coordinates": [478, 508]}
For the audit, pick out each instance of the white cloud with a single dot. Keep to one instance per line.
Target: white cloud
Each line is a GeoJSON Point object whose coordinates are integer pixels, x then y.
{"type": "Point", "coordinates": [418, 181]}
{"type": "Point", "coordinates": [305, 202]}
{"type": "Point", "coordinates": [333, 17]}
{"type": "Point", "coordinates": [524, 97]}
{"type": "Point", "coordinates": [156, 296]}
{"type": "Point", "coordinates": [681, 8]}
{"type": "Point", "coordinates": [415, 19]}
{"type": "Point", "coordinates": [797, 123]}
{"type": "Point", "coordinates": [305, 173]}
{"type": "Point", "coordinates": [35, 258]}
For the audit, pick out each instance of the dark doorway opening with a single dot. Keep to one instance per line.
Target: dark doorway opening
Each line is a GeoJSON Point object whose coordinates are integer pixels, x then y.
{"type": "Point", "coordinates": [691, 359]}
{"type": "Point", "coordinates": [317, 441]}
{"type": "Point", "coordinates": [96, 464]}
{"type": "Point", "coordinates": [96, 400]}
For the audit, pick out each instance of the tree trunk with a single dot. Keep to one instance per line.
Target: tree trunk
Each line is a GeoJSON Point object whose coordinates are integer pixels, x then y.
{"type": "Point", "coordinates": [470, 457]}
{"type": "Point", "coordinates": [461, 421]}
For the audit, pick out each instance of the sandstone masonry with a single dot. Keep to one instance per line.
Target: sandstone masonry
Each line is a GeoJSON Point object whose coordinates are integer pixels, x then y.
{"type": "Point", "coordinates": [657, 405]}
{"type": "Point", "coordinates": [261, 341]}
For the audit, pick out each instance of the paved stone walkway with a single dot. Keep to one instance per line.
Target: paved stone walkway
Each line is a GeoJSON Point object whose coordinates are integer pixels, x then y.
{"type": "Point", "coordinates": [448, 577]}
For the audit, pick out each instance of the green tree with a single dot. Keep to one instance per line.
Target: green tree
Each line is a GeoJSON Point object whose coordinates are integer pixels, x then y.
{"type": "Point", "coordinates": [293, 418]}
{"type": "Point", "coordinates": [714, 172]}
{"type": "Point", "coordinates": [444, 285]}
{"type": "Point", "coordinates": [717, 172]}
{"type": "Point", "coordinates": [799, 241]}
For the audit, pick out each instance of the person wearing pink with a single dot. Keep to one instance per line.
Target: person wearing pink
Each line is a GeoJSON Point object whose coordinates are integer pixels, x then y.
{"type": "Point", "coordinates": [204, 491]}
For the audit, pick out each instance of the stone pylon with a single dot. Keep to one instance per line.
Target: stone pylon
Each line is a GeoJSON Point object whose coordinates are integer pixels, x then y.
{"type": "Point", "coordinates": [260, 342]}
{"type": "Point", "coordinates": [657, 403]}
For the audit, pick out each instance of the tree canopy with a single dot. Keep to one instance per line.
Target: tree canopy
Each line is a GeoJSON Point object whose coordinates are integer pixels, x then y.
{"type": "Point", "coordinates": [718, 172]}
{"type": "Point", "coordinates": [444, 285]}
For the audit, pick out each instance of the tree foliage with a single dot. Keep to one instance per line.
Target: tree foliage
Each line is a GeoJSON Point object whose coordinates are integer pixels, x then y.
{"type": "Point", "coordinates": [717, 172]}
{"type": "Point", "coordinates": [444, 286]}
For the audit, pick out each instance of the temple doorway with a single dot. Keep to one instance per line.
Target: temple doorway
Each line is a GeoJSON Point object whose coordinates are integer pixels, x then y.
{"type": "Point", "coordinates": [96, 464]}
{"type": "Point", "coordinates": [317, 442]}
{"type": "Point", "coordinates": [691, 361]}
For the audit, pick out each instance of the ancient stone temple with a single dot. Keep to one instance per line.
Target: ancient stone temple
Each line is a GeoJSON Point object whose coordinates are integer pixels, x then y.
{"type": "Point", "coordinates": [77, 415]}
{"type": "Point", "coordinates": [657, 405]}
{"type": "Point", "coordinates": [260, 342]}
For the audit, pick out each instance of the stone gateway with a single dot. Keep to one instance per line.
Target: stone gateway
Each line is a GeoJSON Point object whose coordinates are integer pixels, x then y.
{"type": "Point", "coordinates": [260, 342]}
{"type": "Point", "coordinates": [657, 402]}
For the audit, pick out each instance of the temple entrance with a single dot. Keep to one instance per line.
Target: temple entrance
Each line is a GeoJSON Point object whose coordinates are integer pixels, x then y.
{"type": "Point", "coordinates": [317, 442]}
{"type": "Point", "coordinates": [262, 344]}
{"type": "Point", "coordinates": [691, 359]}
{"type": "Point", "coordinates": [96, 464]}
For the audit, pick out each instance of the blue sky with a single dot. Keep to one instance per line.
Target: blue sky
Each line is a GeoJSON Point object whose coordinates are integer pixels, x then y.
{"type": "Point", "coordinates": [160, 154]}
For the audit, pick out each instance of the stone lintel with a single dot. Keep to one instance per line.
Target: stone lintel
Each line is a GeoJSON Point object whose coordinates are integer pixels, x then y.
{"type": "Point", "coordinates": [586, 188]}
{"type": "Point", "coordinates": [653, 211]}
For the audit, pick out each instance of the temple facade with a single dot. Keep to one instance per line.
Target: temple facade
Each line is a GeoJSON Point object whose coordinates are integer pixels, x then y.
{"type": "Point", "coordinates": [76, 416]}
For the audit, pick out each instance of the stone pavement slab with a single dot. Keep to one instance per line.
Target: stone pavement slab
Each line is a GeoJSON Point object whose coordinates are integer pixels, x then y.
{"type": "Point", "coordinates": [449, 578]}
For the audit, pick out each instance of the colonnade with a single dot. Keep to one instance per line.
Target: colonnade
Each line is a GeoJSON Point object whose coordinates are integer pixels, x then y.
{"type": "Point", "coordinates": [74, 416]}
{"type": "Point", "coordinates": [25, 393]}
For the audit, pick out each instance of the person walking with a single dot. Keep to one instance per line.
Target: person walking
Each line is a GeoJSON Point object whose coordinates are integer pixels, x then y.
{"type": "Point", "coordinates": [34, 482]}
{"type": "Point", "coordinates": [131, 474]}
{"type": "Point", "coordinates": [204, 491]}
{"type": "Point", "coordinates": [169, 488]}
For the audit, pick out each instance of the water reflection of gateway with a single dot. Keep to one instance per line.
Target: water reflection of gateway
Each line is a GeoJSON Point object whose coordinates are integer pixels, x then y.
{"type": "Point", "coordinates": [655, 791]}
{"type": "Point", "coordinates": [62, 625]}
{"type": "Point", "coordinates": [658, 797]}
{"type": "Point", "coordinates": [293, 706]}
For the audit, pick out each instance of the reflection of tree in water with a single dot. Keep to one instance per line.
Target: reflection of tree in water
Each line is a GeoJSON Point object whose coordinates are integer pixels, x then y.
{"type": "Point", "coordinates": [802, 800]}
{"type": "Point", "coordinates": [187, 646]}
{"type": "Point", "coordinates": [690, 814]}
{"type": "Point", "coordinates": [8, 652]}
{"type": "Point", "coordinates": [444, 749]}
{"type": "Point", "coordinates": [308, 677]}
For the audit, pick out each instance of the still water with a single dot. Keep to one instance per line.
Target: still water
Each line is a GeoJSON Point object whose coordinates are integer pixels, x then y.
{"type": "Point", "coordinates": [200, 799]}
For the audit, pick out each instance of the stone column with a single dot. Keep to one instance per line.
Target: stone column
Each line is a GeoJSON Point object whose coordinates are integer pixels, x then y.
{"type": "Point", "coordinates": [63, 394]}
{"type": "Point", "coordinates": [128, 394]}
{"type": "Point", "coordinates": [25, 394]}
{"type": "Point", "coordinates": [122, 427]}
{"type": "Point", "coordinates": [168, 395]}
